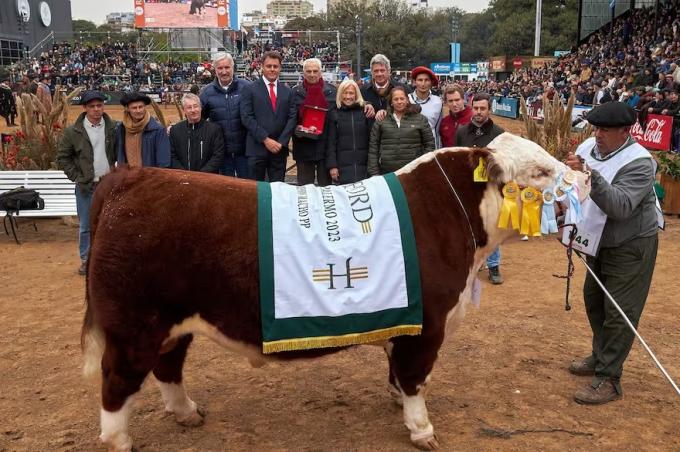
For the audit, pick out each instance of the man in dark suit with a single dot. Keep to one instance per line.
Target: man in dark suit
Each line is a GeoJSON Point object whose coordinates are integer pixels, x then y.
{"type": "Point", "coordinates": [266, 114]}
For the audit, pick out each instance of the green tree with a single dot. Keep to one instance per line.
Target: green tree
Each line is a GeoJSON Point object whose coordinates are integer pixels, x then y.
{"type": "Point", "coordinates": [83, 25]}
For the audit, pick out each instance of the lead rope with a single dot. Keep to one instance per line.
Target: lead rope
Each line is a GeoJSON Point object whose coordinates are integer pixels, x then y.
{"type": "Point", "coordinates": [455, 193]}
{"type": "Point", "coordinates": [570, 264]}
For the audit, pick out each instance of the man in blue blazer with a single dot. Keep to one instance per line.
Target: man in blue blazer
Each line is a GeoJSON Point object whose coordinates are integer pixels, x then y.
{"type": "Point", "coordinates": [266, 114]}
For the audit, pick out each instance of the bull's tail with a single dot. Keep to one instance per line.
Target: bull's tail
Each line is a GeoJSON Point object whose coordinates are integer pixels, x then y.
{"type": "Point", "coordinates": [92, 342]}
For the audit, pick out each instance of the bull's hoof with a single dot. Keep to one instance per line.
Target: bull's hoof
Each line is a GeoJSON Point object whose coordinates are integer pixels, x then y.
{"type": "Point", "coordinates": [120, 442]}
{"type": "Point", "coordinates": [195, 419]}
{"type": "Point", "coordinates": [429, 443]}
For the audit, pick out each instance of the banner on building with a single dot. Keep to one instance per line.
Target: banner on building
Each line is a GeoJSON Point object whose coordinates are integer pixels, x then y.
{"type": "Point", "coordinates": [139, 14]}
{"type": "Point", "coordinates": [657, 133]}
{"type": "Point", "coordinates": [505, 106]}
{"type": "Point", "coordinates": [222, 14]}
{"type": "Point", "coordinates": [455, 52]}
{"type": "Point", "coordinates": [498, 64]}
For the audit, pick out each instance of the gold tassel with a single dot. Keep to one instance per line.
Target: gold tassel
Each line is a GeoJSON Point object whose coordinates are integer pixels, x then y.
{"type": "Point", "coordinates": [510, 207]}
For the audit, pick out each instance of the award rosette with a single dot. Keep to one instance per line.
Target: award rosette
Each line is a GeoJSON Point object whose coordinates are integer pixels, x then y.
{"type": "Point", "coordinates": [510, 207]}
{"type": "Point", "coordinates": [548, 221]}
{"type": "Point", "coordinates": [531, 216]}
{"type": "Point", "coordinates": [566, 191]}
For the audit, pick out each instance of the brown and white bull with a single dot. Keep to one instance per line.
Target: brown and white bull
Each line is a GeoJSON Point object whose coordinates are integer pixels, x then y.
{"type": "Point", "coordinates": [175, 254]}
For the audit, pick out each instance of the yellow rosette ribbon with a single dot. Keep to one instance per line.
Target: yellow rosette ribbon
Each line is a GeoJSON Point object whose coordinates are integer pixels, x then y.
{"type": "Point", "coordinates": [510, 207]}
{"type": "Point", "coordinates": [531, 212]}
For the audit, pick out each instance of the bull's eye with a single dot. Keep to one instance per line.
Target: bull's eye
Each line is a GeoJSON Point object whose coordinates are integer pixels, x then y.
{"type": "Point", "coordinates": [541, 173]}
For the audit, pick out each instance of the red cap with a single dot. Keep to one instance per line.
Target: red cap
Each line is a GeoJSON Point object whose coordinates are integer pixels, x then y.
{"type": "Point", "coordinates": [423, 70]}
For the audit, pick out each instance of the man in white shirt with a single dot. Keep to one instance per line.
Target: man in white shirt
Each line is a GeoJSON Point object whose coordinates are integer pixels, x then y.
{"type": "Point", "coordinates": [431, 106]}
{"type": "Point", "coordinates": [86, 153]}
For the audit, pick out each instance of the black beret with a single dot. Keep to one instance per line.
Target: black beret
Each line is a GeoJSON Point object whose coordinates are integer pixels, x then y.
{"type": "Point", "coordinates": [135, 97]}
{"type": "Point", "coordinates": [612, 114]}
{"type": "Point", "coordinates": [91, 95]}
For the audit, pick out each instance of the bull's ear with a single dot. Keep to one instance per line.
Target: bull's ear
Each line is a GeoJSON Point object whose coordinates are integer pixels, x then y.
{"type": "Point", "coordinates": [478, 153]}
{"type": "Point", "coordinates": [493, 171]}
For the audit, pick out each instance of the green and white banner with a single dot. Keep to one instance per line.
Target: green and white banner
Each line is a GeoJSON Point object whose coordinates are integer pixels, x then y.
{"type": "Point", "coordinates": [338, 264]}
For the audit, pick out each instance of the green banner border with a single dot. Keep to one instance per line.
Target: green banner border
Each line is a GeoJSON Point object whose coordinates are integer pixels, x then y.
{"type": "Point", "coordinates": [301, 327]}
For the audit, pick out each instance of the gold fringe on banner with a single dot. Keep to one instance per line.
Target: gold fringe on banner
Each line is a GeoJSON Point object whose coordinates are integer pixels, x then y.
{"type": "Point", "coordinates": [308, 343]}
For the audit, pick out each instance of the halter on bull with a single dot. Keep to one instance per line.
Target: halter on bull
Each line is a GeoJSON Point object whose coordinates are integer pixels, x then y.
{"type": "Point", "coordinates": [143, 308]}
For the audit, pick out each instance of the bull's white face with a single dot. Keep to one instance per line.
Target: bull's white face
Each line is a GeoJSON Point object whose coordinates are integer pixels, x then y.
{"type": "Point", "coordinates": [528, 164]}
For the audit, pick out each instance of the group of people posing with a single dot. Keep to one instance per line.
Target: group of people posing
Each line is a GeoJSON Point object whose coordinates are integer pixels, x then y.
{"type": "Point", "coordinates": [246, 129]}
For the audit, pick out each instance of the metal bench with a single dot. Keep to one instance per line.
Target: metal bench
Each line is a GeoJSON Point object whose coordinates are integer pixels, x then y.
{"type": "Point", "coordinates": [54, 187]}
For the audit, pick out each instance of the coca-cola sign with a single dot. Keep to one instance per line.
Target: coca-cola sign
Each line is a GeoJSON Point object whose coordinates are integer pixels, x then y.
{"type": "Point", "coordinates": [657, 134]}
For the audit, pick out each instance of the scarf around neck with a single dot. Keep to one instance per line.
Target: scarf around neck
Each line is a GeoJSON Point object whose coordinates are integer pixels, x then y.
{"type": "Point", "coordinates": [314, 97]}
{"type": "Point", "coordinates": [133, 138]}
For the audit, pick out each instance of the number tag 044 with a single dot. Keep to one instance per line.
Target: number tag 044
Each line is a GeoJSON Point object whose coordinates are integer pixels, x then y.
{"type": "Point", "coordinates": [586, 242]}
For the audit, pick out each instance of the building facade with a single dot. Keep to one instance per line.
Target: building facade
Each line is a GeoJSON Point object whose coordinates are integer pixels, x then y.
{"type": "Point", "coordinates": [24, 24]}
{"type": "Point", "coordinates": [290, 8]}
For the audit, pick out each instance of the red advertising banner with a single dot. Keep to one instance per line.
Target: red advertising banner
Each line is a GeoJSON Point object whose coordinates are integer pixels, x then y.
{"type": "Point", "coordinates": [222, 14]}
{"type": "Point", "coordinates": [139, 14]}
{"type": "Point", "coordinates": [658, 133]}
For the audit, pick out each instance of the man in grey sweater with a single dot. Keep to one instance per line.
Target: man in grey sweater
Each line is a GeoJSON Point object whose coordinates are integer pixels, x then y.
{"type": "Point", "coordinates": [619, 233]}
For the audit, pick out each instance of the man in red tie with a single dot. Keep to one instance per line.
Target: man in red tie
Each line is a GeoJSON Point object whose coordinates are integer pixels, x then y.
{"type": "Point", "coordinates": [266, 114]}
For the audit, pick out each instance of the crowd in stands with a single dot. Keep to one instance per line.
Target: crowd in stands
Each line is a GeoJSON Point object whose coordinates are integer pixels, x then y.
{"type": "Point", "coordinates": [117, 66]}
{"type": "Point", "coordinates": [113, 66]}
{"type": "Point", "coordinates": [629, 63]}
{"type": "Point", "coordinates": [293, 53]}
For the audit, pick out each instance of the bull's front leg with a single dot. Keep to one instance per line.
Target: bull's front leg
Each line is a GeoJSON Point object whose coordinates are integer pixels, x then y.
{"type": "Point", "coordinates": [411, 361]}
{"type": "Point", "coordinates": [417, 420]}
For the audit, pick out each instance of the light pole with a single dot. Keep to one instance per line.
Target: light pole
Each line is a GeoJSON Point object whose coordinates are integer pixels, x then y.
{"type": "Point", "coordinates": [455, 24]}
{"type": "Point", "coordinates": [359, 30]}
{"type": "Point", "coordinates": [537, 40]}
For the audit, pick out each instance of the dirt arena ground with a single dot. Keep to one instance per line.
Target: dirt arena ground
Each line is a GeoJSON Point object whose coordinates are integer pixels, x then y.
{"type": "Point", "coordinates": [500, 382]}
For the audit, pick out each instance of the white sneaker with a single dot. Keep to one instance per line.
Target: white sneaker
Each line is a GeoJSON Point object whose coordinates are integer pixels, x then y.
{"type": "Point", "coordinates": [524, 238]}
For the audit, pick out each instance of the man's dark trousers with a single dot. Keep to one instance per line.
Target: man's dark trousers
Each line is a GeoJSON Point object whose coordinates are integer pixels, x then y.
{"type": "Point", "coordinates": [626, 271]}
{"type": "Point", "coordinates": [273, 167]}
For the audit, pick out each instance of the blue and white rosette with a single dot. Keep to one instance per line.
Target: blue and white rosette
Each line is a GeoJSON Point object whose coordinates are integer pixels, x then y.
{"type": "Point", "coordinates": [567, 192]}
{"type": "Point", "coordinates": [548, 221]}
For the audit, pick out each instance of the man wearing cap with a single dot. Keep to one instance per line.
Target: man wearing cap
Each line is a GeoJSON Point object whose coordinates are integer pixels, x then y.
{"type": "Point", "coordinates": [44, 93]}
{"type": "Point", "coordinates": [141, 140]}
{"type": "Point", "coordinates": [619, 234]}
{"type": "Point", "coordinates": [86, 152]}
{"type": "Point", "coordinates": [431, 105]}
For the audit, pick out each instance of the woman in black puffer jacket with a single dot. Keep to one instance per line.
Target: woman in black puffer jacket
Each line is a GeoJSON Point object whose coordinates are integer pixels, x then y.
{"type": "Point", "coordinates": [348, 134]}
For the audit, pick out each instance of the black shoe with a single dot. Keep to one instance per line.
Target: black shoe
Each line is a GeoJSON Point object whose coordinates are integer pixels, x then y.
{"type": "Point", "coordinates": [495, 275]}
{"type": "Point", "coordinates": [82, 271]}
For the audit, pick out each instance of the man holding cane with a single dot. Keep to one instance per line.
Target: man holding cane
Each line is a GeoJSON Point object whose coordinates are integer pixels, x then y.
{"type": "Point", "coordinates": [619, 234]}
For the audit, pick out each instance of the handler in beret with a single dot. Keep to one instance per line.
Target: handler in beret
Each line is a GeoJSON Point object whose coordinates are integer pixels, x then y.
{"type": "Point", "coordinates": [141, 139]}
{"type": "Point", "coordinates": [619, 234]}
